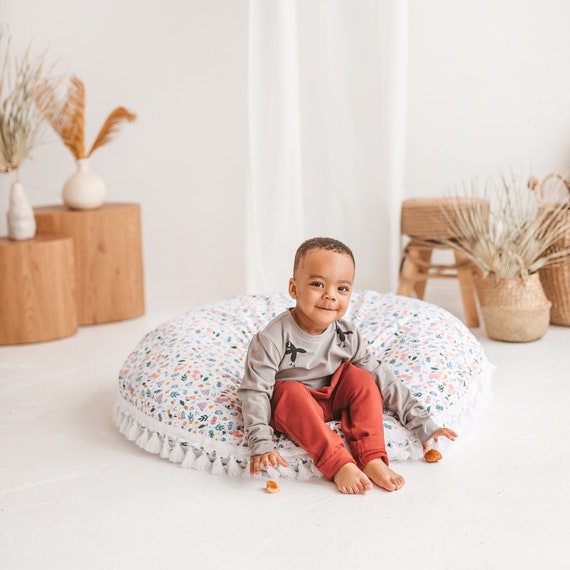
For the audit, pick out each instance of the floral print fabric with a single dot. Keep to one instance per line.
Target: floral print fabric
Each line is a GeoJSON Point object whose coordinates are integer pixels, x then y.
{"type": "Point", "coordinates": [177, 389]}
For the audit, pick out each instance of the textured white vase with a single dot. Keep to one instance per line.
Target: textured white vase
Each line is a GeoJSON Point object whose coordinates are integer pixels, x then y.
{"type": "Point", "coordinates": [84, 190]}
{"type": "Point", "coordinates": [21, 219]}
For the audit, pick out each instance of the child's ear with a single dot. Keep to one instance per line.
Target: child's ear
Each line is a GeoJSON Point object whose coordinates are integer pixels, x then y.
{"type": "Point", "coordinates": [292, 288]}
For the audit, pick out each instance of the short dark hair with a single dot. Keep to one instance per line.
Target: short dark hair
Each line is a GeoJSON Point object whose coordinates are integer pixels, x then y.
{"type": "Point", "coordinates": [329, 244]}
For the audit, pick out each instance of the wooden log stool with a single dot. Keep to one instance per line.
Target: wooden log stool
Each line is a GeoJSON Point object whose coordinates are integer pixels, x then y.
{"type": "Point", "coordinates": [37, 289]}
{"type": "Point", "coordinates": [427, 222]}
{"type": "Point", "coordinates": [108, 258]}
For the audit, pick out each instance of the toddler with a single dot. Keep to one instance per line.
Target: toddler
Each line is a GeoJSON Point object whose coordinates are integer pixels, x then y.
{"type": "Point", "coordinates": [309, 366]}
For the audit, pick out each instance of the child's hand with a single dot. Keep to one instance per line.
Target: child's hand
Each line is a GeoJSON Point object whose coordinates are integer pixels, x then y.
{"type": "Point", "coordinates": [441, 432]}
{"type": "Point", "coordinates": [272, 458]}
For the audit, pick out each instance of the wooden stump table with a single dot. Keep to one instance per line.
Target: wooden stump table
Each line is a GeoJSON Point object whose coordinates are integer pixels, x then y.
{"type": "Point", "coordinates": [108, 258]}
{"type": "Point", "coordinates": [37, 289]}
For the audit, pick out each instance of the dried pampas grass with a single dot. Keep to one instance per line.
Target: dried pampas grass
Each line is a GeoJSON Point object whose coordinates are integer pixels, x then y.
{"type": "Point", "coordinates": [20, 122]}
{"type": "Point", "coordinates": [511, 237]}
{"type": "Point", "coordinates": [67, 117]}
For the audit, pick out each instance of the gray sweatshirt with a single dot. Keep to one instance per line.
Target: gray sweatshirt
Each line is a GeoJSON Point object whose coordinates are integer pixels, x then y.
{"type": "Point", "coordinates": [283, 351]}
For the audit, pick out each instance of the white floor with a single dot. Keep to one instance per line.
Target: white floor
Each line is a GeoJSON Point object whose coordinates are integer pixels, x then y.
{"type": "Point", "coordinates": [75, 494]}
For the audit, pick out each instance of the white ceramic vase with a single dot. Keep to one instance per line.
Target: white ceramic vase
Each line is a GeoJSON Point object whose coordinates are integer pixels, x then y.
{"type": "Point", "coordinates": [84, 190]}
{"type": "Point", "coordinates": [21, 219]}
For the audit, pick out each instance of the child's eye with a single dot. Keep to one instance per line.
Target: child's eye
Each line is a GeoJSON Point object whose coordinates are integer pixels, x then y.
{"type": "Point", "coordinates": [344, 289]}
{"type": "Point", "coordinates": [317, 284]}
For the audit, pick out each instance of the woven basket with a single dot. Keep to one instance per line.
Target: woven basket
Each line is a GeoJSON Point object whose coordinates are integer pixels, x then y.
{"type": "Point", "coordinates": [435, 218]}
{"type": "Point", "coordinates": [514, 310]}
{"type": "Point", "coordinates": [556, 278]}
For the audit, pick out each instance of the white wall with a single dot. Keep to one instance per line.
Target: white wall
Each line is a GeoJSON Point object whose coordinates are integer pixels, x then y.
{"type": "Point", "coordinates": [489, 87]}
{"type": "Point", "coordinates": [181, 66]}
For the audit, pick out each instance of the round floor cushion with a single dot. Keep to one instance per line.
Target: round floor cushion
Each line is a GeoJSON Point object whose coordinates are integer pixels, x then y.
{"type": "Point", "coordinates": [178, 388]}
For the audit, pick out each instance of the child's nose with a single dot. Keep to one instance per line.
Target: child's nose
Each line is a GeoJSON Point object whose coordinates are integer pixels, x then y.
{"type": "Point", "coordinates": [330, 292]}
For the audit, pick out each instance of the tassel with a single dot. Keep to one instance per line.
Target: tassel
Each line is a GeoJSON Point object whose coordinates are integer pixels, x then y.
{"type": "Point", "coordinates": [165, 451]}
{"type": "Point", "coordinates": [416, 452]}
{"type": "Point", "coordinates": [177, 453]}
{"type": "Point", "coordinates": [287, 472]}
{"type": "Point", "coordinates": [143, 438]}
{"type": "Point", "coordinates": [234, 467]}
{"type": "Point", "coordinates": [202, 462]}
{"type": "Point", "coordinates": [217, 466]}
{"type": "Point", "coordinates": [272, 472]}
{"type": "Point", "coordinates": [189, 459]}
{"type": "Point", "coordinates": [124, 425]}
{"type": "Point", "coordinates": [153, 445]}
{"type": "Point", "coordinates": [314, 470]}
{"type": "Point", "coordinates": [118, 417]}
{"type": "Point", "coordinates": [134, 431]}
{"type": "Point", "coordinates": [303, 470]}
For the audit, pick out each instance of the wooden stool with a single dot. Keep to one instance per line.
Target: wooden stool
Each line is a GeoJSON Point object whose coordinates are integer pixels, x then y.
{"type": "Point", "coordinates": [108, 258]}
{"type": "Point", "coordinates": [431, 223]}
{"type": "Point", "coordinates": [37, 289]}
{"type": "Point", "coordinates": [416, 268]}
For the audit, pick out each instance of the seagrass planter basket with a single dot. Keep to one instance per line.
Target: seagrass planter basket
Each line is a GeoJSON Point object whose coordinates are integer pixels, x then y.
{"type": "Point", "coordinates": [556, 282]}
{"type": "Point", "coordinates": [514, 310]}
{"type": "Point", "coordinates": [556, 278]}
{"type": "Point", "coordinates": [436, 218]}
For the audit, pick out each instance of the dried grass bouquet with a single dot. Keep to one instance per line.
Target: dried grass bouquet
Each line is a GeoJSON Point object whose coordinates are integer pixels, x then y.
{"type": "Point", "coordinates": [20, 121]}
{"type": "Point", "coordinates": [67, 117]}
{"type": "Point", "coordinates": [511, 232]}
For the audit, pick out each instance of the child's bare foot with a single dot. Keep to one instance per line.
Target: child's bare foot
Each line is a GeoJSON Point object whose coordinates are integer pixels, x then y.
{"type": "Point", "coordinates": [350, 480]}
{"type": "Point", "coordinates": [383, 476]}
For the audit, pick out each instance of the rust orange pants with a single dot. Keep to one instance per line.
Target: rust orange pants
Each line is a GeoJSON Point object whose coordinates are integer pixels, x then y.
{"type": "Point", "coordinates": [352, 397]}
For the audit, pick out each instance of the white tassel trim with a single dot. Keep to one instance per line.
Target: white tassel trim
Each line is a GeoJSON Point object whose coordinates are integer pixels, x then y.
{"type": "Point", "coordinates": [198, 458]}
{"type": "Point", "coordinates": [143, 438]}
{"type": "Point", "coordinates": [217, 467]}
{"type": "Point", "coordinates": [303, 470]}
{"type": "Point", "coordinates": [202, 463]}
{"type": "Point", "coordinates": [189, 459]}
{"type": "Point", "coordinates": [165, 451]}
{"type": "Point", "coordinates": [134, 431]}
{"type": "Point", "coordinates": [235, 468]}
{"type": "Point", "coordinates": [177, 454]}
{"type": "Point", "coordinates": [154, 443]}
{"type": "Point", "coordinates": [287, 472]}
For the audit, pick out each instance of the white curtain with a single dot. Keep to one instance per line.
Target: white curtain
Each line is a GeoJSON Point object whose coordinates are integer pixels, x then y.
{"type": "Point", "coordinates": [327, 111]}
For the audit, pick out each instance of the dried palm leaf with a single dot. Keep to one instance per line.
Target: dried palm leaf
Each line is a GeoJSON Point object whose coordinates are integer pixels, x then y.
{"type": "Point", "coordinates": [514, 236]}
{"type": "Point", "coordinates": [71, 119]}
{"type": "Point", "coordinates": [68, 120]}
{"type": "Point", "coordinates": [111, 126]}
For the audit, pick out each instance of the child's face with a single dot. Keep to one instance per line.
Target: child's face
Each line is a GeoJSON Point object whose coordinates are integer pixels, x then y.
{"type": "Point", "coordinates": [322, 286]}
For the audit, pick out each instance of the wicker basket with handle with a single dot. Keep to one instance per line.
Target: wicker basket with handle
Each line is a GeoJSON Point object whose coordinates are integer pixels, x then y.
{"type": "Point", "coordinates": [514, 310]}
{"type": "Point", "coordinates": [556, 278]}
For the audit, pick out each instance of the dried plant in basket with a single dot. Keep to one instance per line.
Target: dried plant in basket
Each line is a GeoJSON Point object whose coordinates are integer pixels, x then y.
{"type": "Point", "coordinates": [511, 231]}
{"type": "Point", "coordinates": [555, 279]}
{"type": "Point", "coordinates": [510, 241]}
{"type": "Point", "coordinates": [67, 117]}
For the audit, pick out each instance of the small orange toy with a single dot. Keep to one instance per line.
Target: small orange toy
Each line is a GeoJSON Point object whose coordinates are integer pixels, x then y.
{"type": "Point", "coordinates": [272, 487]}
{"type": "Point", "coordinates": [432, 455]}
